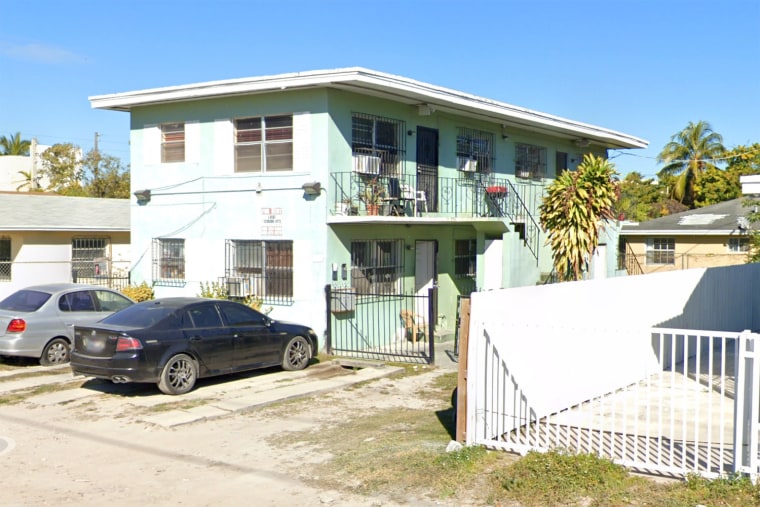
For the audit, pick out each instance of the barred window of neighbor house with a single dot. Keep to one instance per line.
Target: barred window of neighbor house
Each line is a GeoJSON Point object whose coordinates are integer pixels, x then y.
{"type": "Point", "coordinates": [561, 163]}
{"type": "Point", "coordinates": [5, 258]}
{"type": "Point", "coordinates": [89, 258]}
{"type": "Point", "coordinates": [738, 245]}
{"type": "Point", "coordinates": [377, 266]}
{"type": "Point", "coordinates": [168, 260]}
{"type": "Point", "coordinates": [173, 142]}
{"type": "Point", "coordinates": [661, 251]}
{"type": "Point", "coordinates": [264, 144]}
{"type": "Point", "coordinates": [530, 161]}
{"type": "Point", "coordinates": [260, 268]}
{"type": "Point", "coordinates": [465, 258]}
{"type": "Point", "coordinates": [378, 144]}
{"type": "Point", "coordinates": [474, 150]}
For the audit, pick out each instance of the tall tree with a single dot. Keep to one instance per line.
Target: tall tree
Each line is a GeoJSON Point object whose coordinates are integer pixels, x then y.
{"type": "Point", "coordinates": [14, 145]}
{"type": "Point", "coordinates": [577, 204]}
{"type": "Point", "coordinates": [639, 198]}
{"type": "Point", "coordinates": [688, 154]}
{"type": "Point", "coordinates": [105, 176]}
{"type": "Point", "coordinates": [62, 165]}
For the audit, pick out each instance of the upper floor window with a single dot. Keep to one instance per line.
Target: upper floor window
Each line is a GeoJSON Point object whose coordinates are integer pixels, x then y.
{"type": "Point", "coordinates": [173, 142]}
{"type": "Point", "coordinates": [474, 150]}
{"type": "Point", "coordinates": [738, 245]}
{"type": "Point", "coordinates": [264, 144]}
{"type": "Point", "coordinates": [377, 266]}
{"type": "Point", "coordinates": [260, 268]}
{"type": "Point", "coordinates": [5, 258]}
{"type": "Point", "coordinates": [530, 161]}
{"type": "Point", "coordinates": [661, 251]}
{"type": "Point", "coordinates": [378, 144]}
{"type": "Point", "coordinates": [168, 260]}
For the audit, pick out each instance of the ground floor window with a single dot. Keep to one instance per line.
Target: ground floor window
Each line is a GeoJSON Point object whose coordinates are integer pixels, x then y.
{"type": "Point", "coordinates": [168, 260]}
{"type": "Point", "coordinates": [5, 259]}
{"type": "Point", "coordinates": [260, 268]}
{"type": "Point", "coordinates": [377, 266]}
{"type": "Point", "coordinates": [738, 245]}
{"type": "Point", "coordinates": [661, 251]}
{"type": "Point", "coordinates": [89, 258]}
{"type": "Point", "coordinates": [465, 258]}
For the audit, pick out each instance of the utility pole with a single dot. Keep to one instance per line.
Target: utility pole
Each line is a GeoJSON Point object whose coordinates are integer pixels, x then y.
{"type": "Point", "coordinates": [33, 170]}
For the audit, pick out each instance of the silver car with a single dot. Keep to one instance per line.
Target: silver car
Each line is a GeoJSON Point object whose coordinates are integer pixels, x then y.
{"type": "Point", "coordinates": [39, 321]}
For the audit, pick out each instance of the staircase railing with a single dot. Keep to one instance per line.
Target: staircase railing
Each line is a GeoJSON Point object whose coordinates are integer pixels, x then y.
{"type": "Point", "coordinates": [509, 204]}
{"type": "Point", "coordinates": [629, 261]}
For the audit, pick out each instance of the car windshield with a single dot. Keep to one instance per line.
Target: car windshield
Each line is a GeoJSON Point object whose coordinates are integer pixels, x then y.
{"type": "Point", "coordinates": [139, 316]}
{"type": "Point", "coordinates": [24, 301]}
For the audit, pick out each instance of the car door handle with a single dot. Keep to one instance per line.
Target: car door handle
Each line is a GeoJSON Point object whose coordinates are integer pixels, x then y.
{"type": "Point", "coordinates": [196, 338]}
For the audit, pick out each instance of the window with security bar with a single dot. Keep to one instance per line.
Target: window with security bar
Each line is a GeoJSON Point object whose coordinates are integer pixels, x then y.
{"type": "Point", "coordinates": [89, 257]}
{"type": "Point", "coordinates": [173, 142]}
{"type": "Point", "coordinates": [738, 245]}
{"type": "Point", "coordinates": [377, 266]}
{"type": "Point", "coordinates": [474, 150]}
{"type": "Point", "coordinates": [5, 259]}
{"type": "Point", "coordinates": [263, 269]}
{"type": "Point", "coordinates": [378, 144]}
{"type": "Point", "coordinates": [465, 258]}
{"type": "Point", "coordinates": [661, 251]}
{"type": "Point", "coordinates": [264, 144]}
{"type": "Point", "coordinates": [168, 260]}
{"type": "Point", "coordinates": [530, 161]}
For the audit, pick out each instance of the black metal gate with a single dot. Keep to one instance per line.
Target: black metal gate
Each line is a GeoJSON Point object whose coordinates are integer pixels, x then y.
{"type": "Point", "coordinates": [391, 327]}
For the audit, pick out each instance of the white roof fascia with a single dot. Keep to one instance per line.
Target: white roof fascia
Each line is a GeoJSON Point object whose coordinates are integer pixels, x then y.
{"type": "Point", "coordinates": [677, 232]}
{"type": "Point", "coordinates": [364, 80]}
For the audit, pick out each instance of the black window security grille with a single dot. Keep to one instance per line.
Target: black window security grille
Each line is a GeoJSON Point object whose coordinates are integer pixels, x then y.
{"type": "Point", "coordinates": [474, 150]}
{"type": "Point", "coordinates": [465, 258]}
{"type": "Point", "coordinates": [89, 257]}
{"type": "Point", "coordinates": [5, 259]}
{"type": "Point", "coordinates": [661, 251]}
{"type": "Point", "coordinates": [376, 136]}
{"type": "Point", "coordinates": [260, 268]}
{"type": "Point", "coordinates": [561, 163]}
{"type": "Point", "coordinates": [168, 259]}
{"type": "Point", "coordinates": [264, 144]}
{"type": "Point", "coordinates": [377, 266]}
{"type": "Point", "coordinates": [173, 142]}
{"type": "Point", "coordinates": [530, 161]}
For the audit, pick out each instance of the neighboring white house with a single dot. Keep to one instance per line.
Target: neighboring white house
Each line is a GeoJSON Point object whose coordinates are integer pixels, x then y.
{"type": "Point", "coordinates": [357, 179]}
{"type": "Point", "coordinates": [51, 238]}
{"type": "Point", "coordinates": [17, 171]}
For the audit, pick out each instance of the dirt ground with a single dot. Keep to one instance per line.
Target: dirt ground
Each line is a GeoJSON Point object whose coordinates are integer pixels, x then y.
{"type": "Point", "coordinates": [97, 450]}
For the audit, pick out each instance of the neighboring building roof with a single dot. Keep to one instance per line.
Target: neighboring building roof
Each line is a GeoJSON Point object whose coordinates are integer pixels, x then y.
{"type": "Point", "coordinates": [30, 211]}
{"type": "Point", "coordinates": [427, 97]}
{"type": "Point", "coordinates": [719, 219]}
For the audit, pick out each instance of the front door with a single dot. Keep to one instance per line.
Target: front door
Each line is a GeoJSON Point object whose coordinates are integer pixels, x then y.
{"type": "Point", "coordinates": [425, 274]}
{"type": "Point", "coordinates": [427, 166]}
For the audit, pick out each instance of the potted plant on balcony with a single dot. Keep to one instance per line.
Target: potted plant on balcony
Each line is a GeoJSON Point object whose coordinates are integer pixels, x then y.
{"type": "Point", "coordinates": [372, 195]}
{"type": "Point", "coordinates": [347, 206]}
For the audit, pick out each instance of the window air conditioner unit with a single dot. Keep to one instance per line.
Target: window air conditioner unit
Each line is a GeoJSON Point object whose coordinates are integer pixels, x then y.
{"type": "Point", "coordinates": [235, 287]}
{"type": "Point", "coordinates": [366, 164]}
{"type": "Point", "coordinates": [469, 165]}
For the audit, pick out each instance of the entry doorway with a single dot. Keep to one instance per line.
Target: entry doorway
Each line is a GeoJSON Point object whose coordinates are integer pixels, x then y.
{"type": "Point", "coordinates": [425, 273]}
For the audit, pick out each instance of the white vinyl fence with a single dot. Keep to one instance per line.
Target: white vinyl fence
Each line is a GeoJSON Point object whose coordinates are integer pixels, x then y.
{"type": "Point", "coordinates": [658, 399]}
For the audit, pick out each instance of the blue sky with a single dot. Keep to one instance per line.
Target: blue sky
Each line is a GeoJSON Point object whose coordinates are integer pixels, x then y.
{"type": "Point", "coordinates": [643, 67]}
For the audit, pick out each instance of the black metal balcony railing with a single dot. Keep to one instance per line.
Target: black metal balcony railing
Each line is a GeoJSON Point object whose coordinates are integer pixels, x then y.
{"type": "Point", "coordinates": [478, 195]}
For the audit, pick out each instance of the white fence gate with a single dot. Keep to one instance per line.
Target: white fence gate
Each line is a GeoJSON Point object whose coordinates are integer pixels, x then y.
{"type": "Point", "coordinates": [674, 401]}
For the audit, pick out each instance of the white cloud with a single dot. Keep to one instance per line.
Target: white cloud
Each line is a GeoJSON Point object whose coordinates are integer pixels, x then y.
{"type": "Point", "coordinates": [40, 53]}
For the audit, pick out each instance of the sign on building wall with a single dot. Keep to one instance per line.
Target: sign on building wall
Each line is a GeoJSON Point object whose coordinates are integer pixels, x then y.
{"type": "Point", "coordinates": [271, 223]}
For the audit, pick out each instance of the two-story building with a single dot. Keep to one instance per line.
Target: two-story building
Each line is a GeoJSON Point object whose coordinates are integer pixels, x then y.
{"type": "Point", "coordinates": [350, 178]}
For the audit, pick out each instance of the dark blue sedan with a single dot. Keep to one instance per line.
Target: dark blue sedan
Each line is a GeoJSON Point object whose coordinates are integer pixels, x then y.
{"type": "Point", "coordinates": [175, 341]}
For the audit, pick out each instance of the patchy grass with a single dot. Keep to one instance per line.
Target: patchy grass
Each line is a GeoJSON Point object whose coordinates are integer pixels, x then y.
{"type": "Point", "coordinates": [179, 405]}
{"type": "Point", "coordinates": [400, 454]}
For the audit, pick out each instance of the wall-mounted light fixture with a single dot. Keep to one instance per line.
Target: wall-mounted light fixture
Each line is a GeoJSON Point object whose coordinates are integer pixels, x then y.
{"type": "Point", "coordinates": [143, 197]}
{"type": "Point", "coordinates": [410, 132]}
{"type": "Point", "coordinates": [582, 142]}
{"type": "Point", "coordinates": [312, 188]}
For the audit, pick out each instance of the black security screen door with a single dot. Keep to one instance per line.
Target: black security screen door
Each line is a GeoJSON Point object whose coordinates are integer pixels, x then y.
{"type": "Point", "coordinates": [427, 165]}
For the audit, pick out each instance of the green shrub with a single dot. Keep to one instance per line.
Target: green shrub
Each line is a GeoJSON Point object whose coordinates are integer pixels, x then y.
{"type": "Point", "coordinates": [214, 290]}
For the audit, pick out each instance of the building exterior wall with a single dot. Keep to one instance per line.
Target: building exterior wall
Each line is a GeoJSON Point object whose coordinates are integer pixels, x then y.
{"type": "Point", "coordinates": [690, 252]}
{"type": "Point", "coordinates": [39, 257]}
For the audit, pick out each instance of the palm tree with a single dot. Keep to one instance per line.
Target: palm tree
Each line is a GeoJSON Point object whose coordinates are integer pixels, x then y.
{"type": "Point", "coordinates": [14, 145]}
{"type": "Point", "coordinates": [689, 154]}
{"type": "Point", "coordinates": [576, 205]}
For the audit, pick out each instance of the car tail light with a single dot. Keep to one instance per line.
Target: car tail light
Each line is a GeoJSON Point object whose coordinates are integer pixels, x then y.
{"type": "Point", "coordinates": [125, 343]}
{"type": "Point", "coordinates": [16, 326]}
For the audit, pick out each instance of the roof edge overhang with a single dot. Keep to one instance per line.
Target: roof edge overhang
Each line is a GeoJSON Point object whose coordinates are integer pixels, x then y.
{"type": "Point", "coordinates": [369, 82]}
{"type": "Point", "coordinates": [681, 232]}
